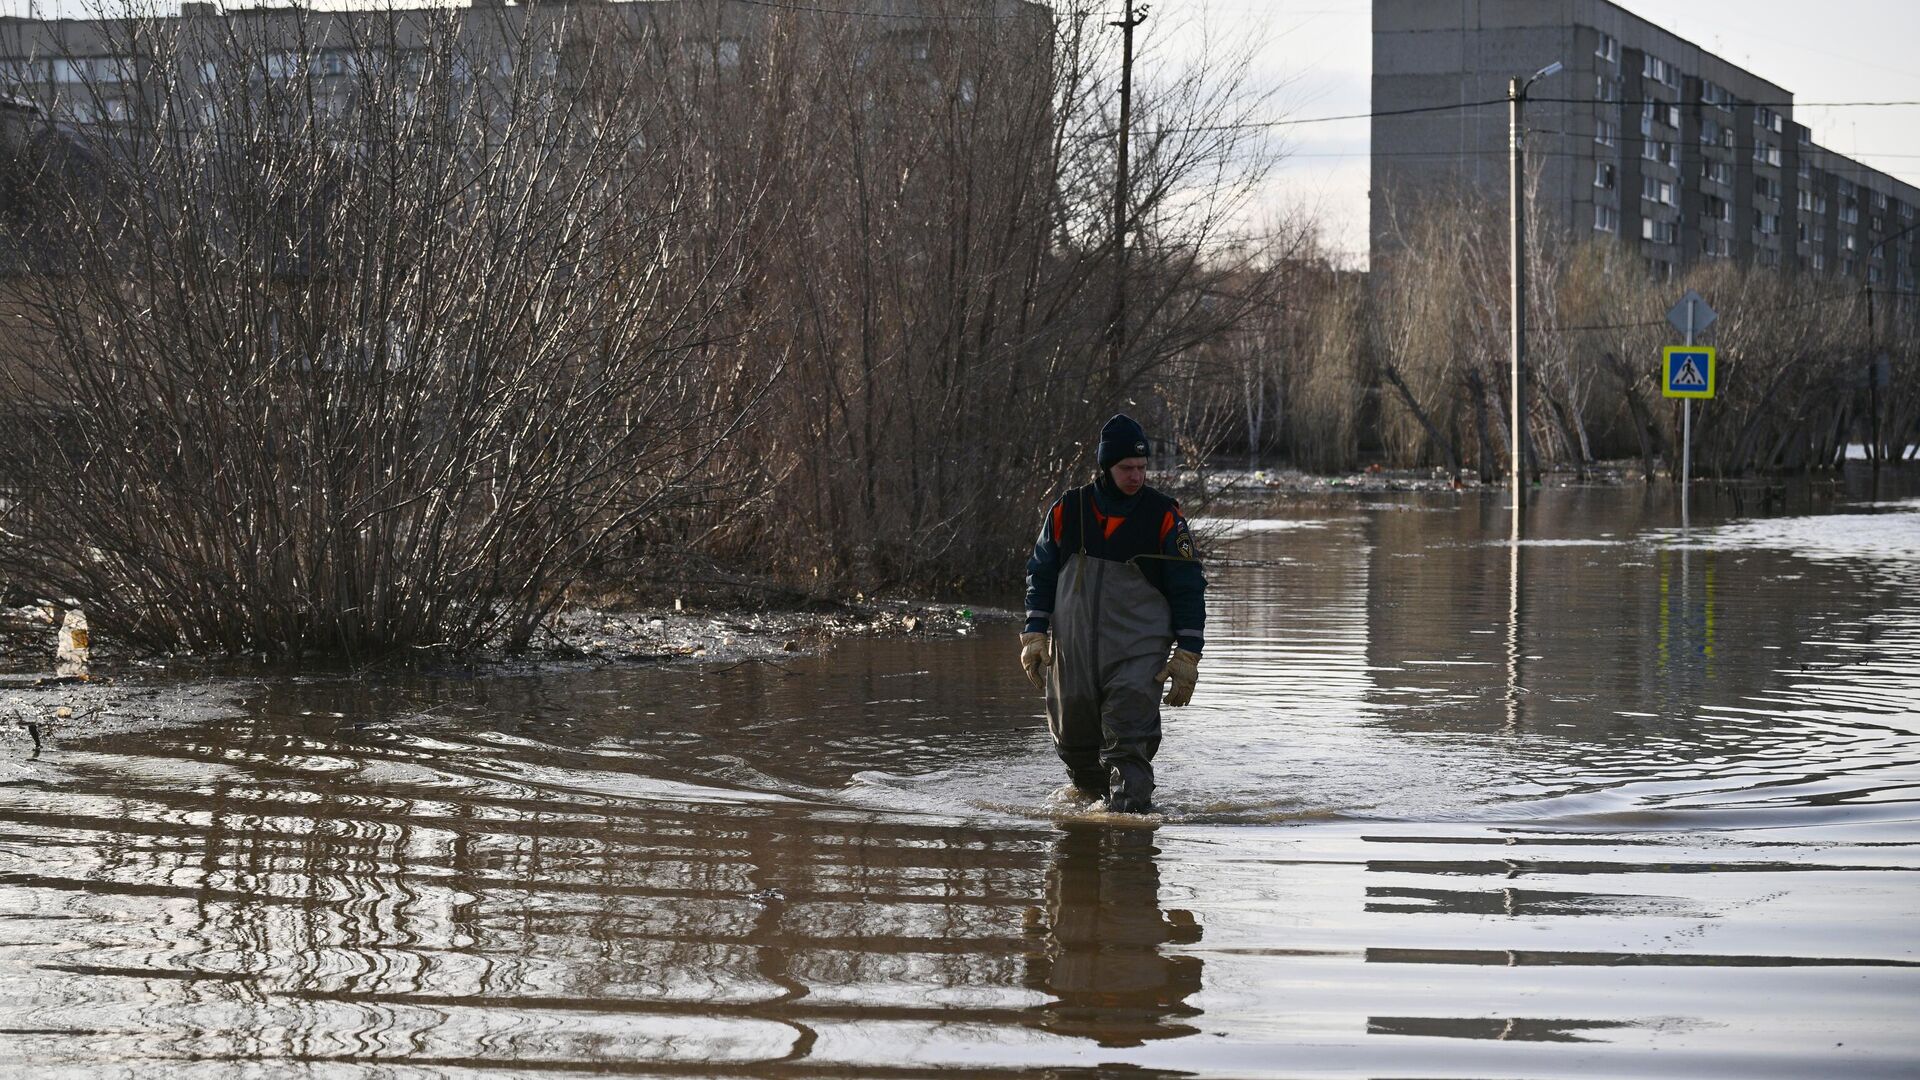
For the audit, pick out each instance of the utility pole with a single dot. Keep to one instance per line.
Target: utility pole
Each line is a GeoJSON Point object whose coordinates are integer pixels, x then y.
{"type": "Point", "coordinates": [1517, 243]}
{"type": "Point", "coordinates": [1873, 387]}
{"type": "Point", "coordinates": [1117, 327]}
{"type": "Point", "coordinates": [1517, 253]}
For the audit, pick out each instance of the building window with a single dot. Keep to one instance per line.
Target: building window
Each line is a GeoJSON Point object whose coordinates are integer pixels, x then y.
{"type": "Point", "coordinates": [1766, 224]}
{"type": "Point", "coordinates": [1654, 112]}
{"type": "Point", "coordinates": [1603, 175]}
{"type": "Point", "coordinates": [1608, 49]}
{"type": "Point", "coordinates": [1716, 95]}
{"type": "Point", "coordinates": [1660, 232]}
{"type": "Point", "coordinates": [1606, 219]}
{"type": "Point", "coordinates": [18, 72]}
{"type": "Point", "coordinates": [1819, 261]}
{"type": "Point", "coordinates": [1720, 172]}
{"type": "Point", "coordinates": [94, 69]}
{"type": "Point", "coordinates": [1659, 191]}
{"type": "Point", "coordinates": [1605, 132]}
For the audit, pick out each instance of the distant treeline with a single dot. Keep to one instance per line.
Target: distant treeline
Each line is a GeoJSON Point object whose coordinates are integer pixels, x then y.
{"type": "Point", "coordinates": [1409, 364]}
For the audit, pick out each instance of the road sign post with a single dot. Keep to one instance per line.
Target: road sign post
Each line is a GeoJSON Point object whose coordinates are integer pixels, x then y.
{"type": "Point", "coordinates": [1688, 373]}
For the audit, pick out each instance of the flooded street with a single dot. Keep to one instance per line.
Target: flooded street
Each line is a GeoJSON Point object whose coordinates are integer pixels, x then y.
{"type": "Point", "coordinates": [1612, 801]}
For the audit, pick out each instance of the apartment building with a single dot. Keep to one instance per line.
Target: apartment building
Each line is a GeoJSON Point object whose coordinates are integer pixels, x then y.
{"type": "Point", "coordinates": [1642, 135]}
{"type": "Point", "coordinates": [95, 70]}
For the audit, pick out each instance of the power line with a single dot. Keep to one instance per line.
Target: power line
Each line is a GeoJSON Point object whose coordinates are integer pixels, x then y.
{"type": "Point", "coordinates": [1752, 104]}
{"type": "Point", "coordinates": [1246, 125]}
{"type": "Point", "coordinates": [1502, 153]}
{"type": "Point", "coordinates": [1251, 125]}
{"type": "Point", "coordinates": [1849, 294]}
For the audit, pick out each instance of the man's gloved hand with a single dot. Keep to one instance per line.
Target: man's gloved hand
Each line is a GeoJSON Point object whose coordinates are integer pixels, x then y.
{"type": "Point", "coordinates": [1036, 653]}
{"type": "Point", "coordinates": [1184, 670]}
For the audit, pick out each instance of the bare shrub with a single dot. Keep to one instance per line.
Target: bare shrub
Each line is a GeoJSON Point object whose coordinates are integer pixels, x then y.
{"type": "Point", "coordinates": [368, 378]}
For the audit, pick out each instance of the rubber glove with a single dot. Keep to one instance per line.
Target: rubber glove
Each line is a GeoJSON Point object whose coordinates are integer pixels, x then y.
{"type": "Point", "coordinates": [1036, 653]}
{"type": "Point", "coordinates": [1184, 670]}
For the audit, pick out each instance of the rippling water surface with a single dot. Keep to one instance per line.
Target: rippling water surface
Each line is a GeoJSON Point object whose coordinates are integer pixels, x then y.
{"type": "Point", "coordinates": [1617, 800]}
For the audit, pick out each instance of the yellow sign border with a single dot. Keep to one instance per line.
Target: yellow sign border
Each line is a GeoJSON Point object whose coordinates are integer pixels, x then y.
{"type": "Point", "coordinates": [1666, 366]}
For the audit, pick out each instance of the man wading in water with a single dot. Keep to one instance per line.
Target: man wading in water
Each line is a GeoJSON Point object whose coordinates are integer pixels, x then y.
{"type": "Point", "coordinates": [1111, 586]}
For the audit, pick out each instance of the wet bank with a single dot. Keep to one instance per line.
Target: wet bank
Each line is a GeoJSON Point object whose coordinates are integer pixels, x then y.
{"type": "Point", "coordinates": [1614, 800]}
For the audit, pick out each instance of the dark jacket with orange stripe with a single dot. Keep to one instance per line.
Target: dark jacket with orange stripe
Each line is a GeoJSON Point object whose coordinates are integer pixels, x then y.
{"type": "Point", "coordinates": [1117, 528]}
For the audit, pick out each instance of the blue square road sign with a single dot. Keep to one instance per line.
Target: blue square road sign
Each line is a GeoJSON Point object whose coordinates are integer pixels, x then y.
{"type": "Point", "coordinates": [1688, 370]}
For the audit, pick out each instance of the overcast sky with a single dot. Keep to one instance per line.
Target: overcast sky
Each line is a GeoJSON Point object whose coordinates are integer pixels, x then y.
{"type": "Point", "coordinates": [1317, 57]}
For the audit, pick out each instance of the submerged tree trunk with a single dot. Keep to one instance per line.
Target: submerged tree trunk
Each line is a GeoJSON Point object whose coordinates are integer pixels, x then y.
{"type": "Point", "coordinates": [1484, 459]}
{"type": "Point", "coordinates": [1446, 445]}
{"type": "Point", "coordinates": [1643, 428]}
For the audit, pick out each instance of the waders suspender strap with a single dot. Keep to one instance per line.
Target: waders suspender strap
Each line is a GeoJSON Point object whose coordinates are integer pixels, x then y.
{"type": "Point", "coordinates": [1080, 514]}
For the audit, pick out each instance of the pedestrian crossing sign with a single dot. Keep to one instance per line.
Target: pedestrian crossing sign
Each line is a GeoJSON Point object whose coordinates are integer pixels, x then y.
{"type": "Point", "coordinates": [1689, 370]}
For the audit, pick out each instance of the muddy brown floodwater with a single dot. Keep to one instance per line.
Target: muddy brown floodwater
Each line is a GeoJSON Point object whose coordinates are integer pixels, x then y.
{"type": "Point", "coordinates": [1617, 801]}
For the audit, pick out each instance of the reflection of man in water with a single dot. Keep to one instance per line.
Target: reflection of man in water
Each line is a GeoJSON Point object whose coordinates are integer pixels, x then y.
{"type": "Point", "coordinates": [1102, 932]}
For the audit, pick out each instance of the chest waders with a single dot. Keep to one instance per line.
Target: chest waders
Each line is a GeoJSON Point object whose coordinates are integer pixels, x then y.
{"type": "Point", "coordinates": [1110, 638]}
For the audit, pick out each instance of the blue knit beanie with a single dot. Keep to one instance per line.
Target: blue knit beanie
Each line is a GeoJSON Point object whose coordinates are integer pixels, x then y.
{"type": "Point", "coordinates": [1121, 438]}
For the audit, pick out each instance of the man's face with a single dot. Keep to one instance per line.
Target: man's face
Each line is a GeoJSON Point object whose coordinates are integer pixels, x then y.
{"type": "Point", "coordinates": [1130, 475]}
